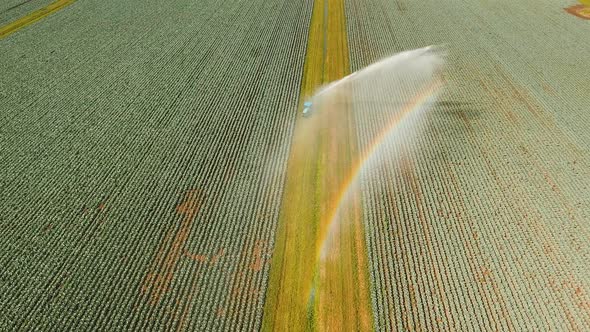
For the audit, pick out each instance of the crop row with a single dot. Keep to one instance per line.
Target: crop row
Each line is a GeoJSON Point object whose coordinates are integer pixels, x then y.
{"type": "Point", "coordinates": [470, 214]}
{"type": "Point", "coordinates": [164, 100]}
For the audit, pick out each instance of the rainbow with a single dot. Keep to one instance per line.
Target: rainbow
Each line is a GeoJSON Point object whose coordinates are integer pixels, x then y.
{"type": "Point", "coordinates": [415, 104]}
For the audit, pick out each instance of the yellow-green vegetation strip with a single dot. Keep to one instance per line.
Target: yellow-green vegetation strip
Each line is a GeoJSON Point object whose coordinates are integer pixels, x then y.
{"type": "Point", "coordinates": [303, 295]}
{"type": "Point", "coordinates": [34, 17]}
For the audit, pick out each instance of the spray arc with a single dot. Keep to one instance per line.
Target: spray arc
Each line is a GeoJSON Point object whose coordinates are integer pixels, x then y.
{"type": "Point", "coordinates": [382, 102]}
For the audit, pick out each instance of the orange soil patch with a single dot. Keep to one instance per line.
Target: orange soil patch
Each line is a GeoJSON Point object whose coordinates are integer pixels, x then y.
{"type": "Point", "coordinates": [220, 313]}
{"type": "Point", "coordinates": [258, 259]}
{"type": "Point", "coordinates": [204, 258]}
{"type": "Point", "coordinates": [198, 258]}
{"type": "Point", "coordinates": [159, 278]}
{"type": "Point", "coordinates": [580, 11]}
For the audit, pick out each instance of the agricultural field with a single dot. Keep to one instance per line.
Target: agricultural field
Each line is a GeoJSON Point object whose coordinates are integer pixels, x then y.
{"type": "Point", "coordinates": [157, 174]}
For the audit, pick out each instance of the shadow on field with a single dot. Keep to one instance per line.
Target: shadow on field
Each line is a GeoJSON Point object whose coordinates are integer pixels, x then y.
{"type": "Point", "coordinates": [446, 134]}
{"type": "Point", "coordinates": [468, 109]}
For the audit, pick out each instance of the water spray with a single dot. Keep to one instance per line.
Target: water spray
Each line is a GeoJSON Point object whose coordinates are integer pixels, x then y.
{"type": "Point", "coordinates": [381, 98]}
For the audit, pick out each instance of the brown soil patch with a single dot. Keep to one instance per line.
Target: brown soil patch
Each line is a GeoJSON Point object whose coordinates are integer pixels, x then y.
{"type": "Point", "coordinates": [580, 11]}
{"type": "Point", "coordinates": [258, 259]}
{"type": "Point", "coordinates": [159, 278]}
